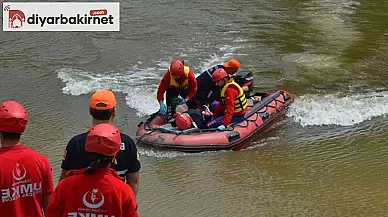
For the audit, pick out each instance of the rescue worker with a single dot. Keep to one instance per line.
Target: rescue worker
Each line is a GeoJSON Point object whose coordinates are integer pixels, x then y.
{"type": "Point", "coordinates": [179, 80]}
{"type": "Point", "coordinates": [233, 104]}
{"type": "Point", "coordinates": [25, 175]}
{"type": "Point", "coordinates": [102, 108]}
{"type": "Point", "coordinates": [207, 91]}
{"type": "Point", "coordinates": [96, 190]}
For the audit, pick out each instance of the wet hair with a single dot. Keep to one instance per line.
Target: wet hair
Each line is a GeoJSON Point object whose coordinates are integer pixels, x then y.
{"type": "Point", "coordinates": [192, 103]}
{"type": "Point", "coordinates": [96, 160]}
{"type": "Point", "coordinates": [102, 115]}
{"type": "Point", "coordinates": [10, 136]}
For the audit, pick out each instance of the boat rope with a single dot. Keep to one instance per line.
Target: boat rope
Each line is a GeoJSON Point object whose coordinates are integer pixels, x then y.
{"type": "Point", "coordinates": [263, 114]}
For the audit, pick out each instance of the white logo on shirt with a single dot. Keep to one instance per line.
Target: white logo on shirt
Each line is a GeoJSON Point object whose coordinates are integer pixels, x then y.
{"type": "Point", "coordinates": [122, 147]}
{"type": "Point", "coordinates": [19, 175]}
{"type": "Point", "coordinates": [21, 186]}
{"type": "Point", "coordinates": [93, 198]}
{"type": "Point", "coordinates": [93, 201]}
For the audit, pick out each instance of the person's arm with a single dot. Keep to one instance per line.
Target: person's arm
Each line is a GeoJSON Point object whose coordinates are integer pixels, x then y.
{"type": "Point", "coordinates": [192, 85]}
{"type": "Point", "coordinates": [56, 205]}
{"type": "Point", "coordinates": [48, 186]}
{"type": "Point", "coordinates": [132, 175]}
{"type": "Point", "coordinates": [129, 204]}
{"type": "Point", "coordinates": [230, 98]}
{"type": "Point", "coordinates": [69, 159]}
{"type": "Point", "coordinates": [163, 86]}
{"type": "Point", "coordinates": [133, 181]}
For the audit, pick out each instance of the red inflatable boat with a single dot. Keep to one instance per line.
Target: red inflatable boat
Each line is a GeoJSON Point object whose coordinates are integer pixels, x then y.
{"type": "Point", "coordinates": [157, 133]}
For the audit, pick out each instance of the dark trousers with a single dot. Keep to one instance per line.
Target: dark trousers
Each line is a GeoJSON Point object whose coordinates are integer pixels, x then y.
{"type": "Point", "coordinates": [172, 94]}
{"type": "Point", "coordinates": [215, 122]}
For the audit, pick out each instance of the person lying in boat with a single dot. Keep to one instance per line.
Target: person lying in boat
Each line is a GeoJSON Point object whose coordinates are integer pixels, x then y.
{"type": "Point", "coordinates": [233, 104]}
{"type": "Point", "coordinates": [193, 117]}
{"type": "Point", "coordinates": [179, 80]}
{"type": "Point", "coordinates": [206, 90]}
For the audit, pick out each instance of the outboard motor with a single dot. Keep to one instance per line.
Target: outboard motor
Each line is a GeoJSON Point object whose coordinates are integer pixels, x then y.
{"type": "Point", "coordinates": [245, 78]}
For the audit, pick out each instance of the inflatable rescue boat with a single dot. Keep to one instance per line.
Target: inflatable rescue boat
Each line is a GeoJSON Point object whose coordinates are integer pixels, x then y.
{"type": "Point", "coordinates": [157, 133]}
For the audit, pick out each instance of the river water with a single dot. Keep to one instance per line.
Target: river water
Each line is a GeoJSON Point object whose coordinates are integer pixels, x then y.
{"type": "Point", "coordinates": [327, 158]}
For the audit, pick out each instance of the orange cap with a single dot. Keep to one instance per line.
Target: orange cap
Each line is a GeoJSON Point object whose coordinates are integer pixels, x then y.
{"type": "Point", "coordinates": [233, 63]}
{"type": "Point", "coordinates": [103, 139]}
{"type": "Point", "coordinates": [103, 100]}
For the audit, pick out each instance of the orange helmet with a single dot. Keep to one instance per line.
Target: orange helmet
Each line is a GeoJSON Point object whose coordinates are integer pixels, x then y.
{"type": "Point", "coordinates": [103, 139]}
{"type": "Point", "coordinates": [13, 117]}
{"type": "Point", "coordinates": [176, 68]}
{"type": "Point", "coordinates": [219, 74]}
{"type": "Point", "coordinates": [183, 121]}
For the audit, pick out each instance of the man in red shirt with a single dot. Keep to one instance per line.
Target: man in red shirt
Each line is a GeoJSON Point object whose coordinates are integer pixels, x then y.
{"type": "Point", "coordinates": [25, 175]}
{"type": "Point", "coordinates": [96, 190]}
{"type": "Point", "coordinates": [179, 80]}
{"type": "Point", "coordinates": [233, 104]}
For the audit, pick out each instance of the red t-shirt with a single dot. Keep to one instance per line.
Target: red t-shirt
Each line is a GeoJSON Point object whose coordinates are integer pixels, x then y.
{"type": "Point", "coordinates": [102, 192]}
{"type": "Point", "coordinates": [25, 178]}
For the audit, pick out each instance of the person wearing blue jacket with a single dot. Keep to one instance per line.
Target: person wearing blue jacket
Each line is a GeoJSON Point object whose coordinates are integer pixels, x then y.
{"type": "Point", "coordinates": [206, 90]}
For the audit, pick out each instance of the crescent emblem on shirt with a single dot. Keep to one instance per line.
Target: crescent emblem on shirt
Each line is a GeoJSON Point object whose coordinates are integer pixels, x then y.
{"type": "Point", "coordinates": [93, 198]}
{"type": "Point", "coordinates": [19, 176]}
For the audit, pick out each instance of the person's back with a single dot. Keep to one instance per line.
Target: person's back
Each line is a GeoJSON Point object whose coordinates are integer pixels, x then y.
{"type": "Point", "coordinates": [204, 80]}
{"type": "Point", "coordinates": [24, 178]}
{"type": "Point", "coordinates": [100, 192]}
{"type": "Point", "coordinates": [25, 175]}
{"type": "Point", "coordinates": [125, 162]}
{"type": "Point", "coordinates": [207, 92]}
{"type": "Point", "coordinates": [102, 109]}
{"type": "Point", "coordinates": [96, 190]}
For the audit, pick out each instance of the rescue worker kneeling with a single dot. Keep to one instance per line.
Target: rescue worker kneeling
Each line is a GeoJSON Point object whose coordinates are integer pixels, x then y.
{"type": "Point", "coordinates": [207, 92]}
{"type": "Point", "coordinates": [178, 81]}
{"type": "Point", "coordinates": [193, 117]}
{"type": "Point", "coordinates": [96, 190]}
{"type": "Point", "coordinates": [233, 104]}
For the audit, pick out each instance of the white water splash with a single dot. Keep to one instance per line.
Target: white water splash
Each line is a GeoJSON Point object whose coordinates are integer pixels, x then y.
{"type": "Point", "coordinates": [227, 51]}
{"type": "Point", "coordinates": [310, 110]}
{"type": "Point", "coordinates": [138, 84]}
{"type": "Point", "coordinates": [175, 154]}
{"type": "Point", "coordinates": [311, 60]}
